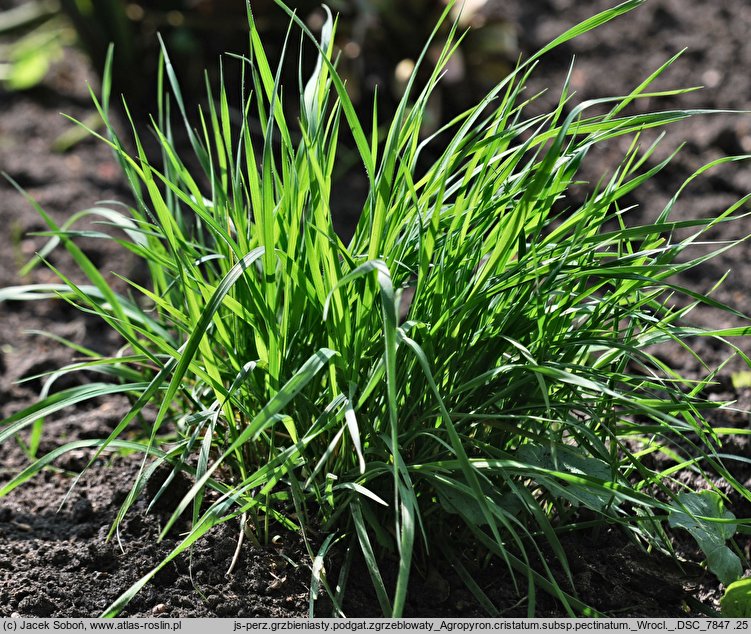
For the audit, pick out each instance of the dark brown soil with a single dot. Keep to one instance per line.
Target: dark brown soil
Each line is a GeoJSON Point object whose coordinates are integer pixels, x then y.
{"type": "Point", "coordinates": [58, 563]}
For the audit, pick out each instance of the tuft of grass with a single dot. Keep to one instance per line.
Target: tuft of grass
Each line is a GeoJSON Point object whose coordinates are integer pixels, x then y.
{"type": "Point", "coordinates": [475, 371]}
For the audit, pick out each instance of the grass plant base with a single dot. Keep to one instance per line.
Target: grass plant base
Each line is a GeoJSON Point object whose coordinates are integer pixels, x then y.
{"type": "Point", "coordinates": [517, 399]}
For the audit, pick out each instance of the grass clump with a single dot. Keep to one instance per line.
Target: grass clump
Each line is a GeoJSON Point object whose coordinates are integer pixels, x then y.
{"type": "Point", "coordinates": [476, 365]}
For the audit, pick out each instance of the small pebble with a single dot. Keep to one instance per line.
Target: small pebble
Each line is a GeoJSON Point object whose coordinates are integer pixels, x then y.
{"type": "Point", "coordinates": [276, 583]}
{"type": "Point", "coordinates": [711, 78]}
{"type": "Point", "coordinates": [159, 608]}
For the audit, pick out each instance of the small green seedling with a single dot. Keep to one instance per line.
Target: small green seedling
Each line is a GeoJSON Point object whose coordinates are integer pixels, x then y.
{"type": "Point", "coordinates": [736, 602]}
{"type": "Point", "coordinates": [704, 516]}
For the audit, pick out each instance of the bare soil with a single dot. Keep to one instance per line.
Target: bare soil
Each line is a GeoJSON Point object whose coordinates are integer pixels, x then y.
{"type": "Point", "coordinates": [58, 562]}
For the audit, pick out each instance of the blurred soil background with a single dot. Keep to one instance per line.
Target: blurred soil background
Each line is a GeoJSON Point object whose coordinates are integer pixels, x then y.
{"type": "Point", "coordinates": [58, 563]}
